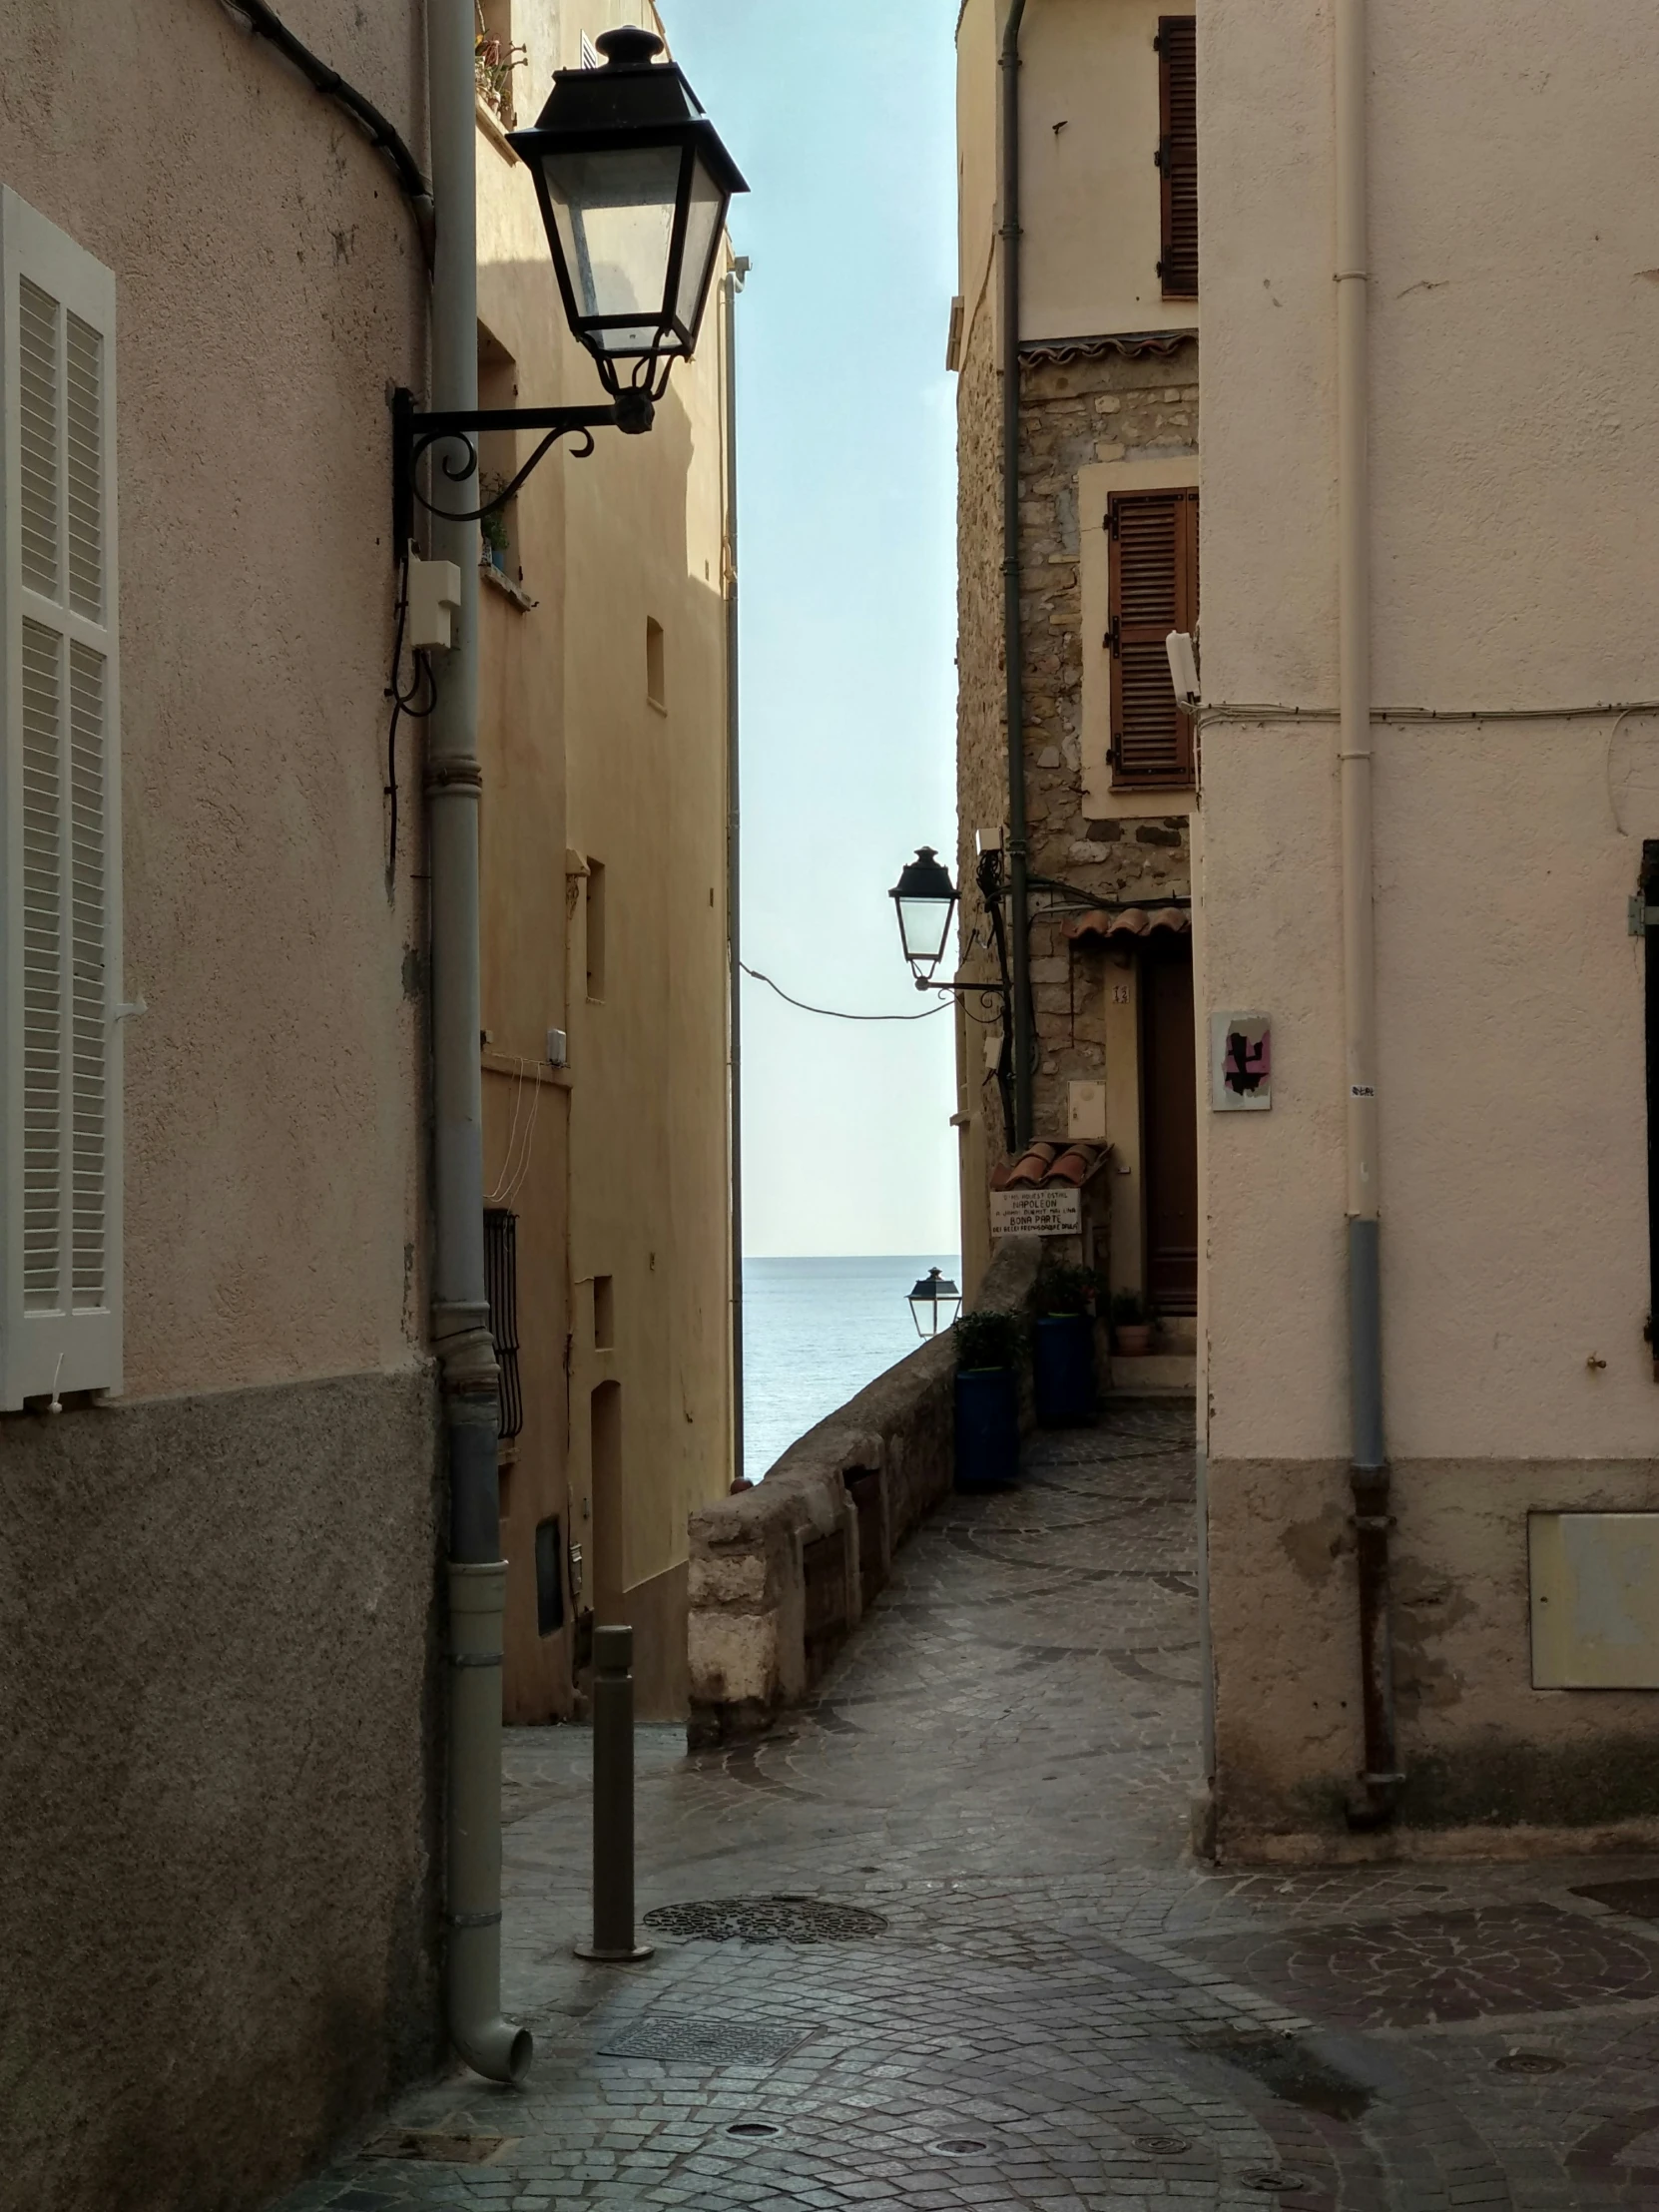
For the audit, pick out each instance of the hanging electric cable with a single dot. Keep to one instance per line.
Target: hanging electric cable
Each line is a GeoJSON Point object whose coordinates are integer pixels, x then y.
{"type": "Point", "coordinates": [833, 1013]}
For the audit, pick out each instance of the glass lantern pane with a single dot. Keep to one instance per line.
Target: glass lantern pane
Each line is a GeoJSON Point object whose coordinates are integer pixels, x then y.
{"type": "Point", "coordinates": [703, 226]}
{"type": "Point", "coordinates": [615, 216]}
{"type": "Point", "coordinates": [925, 923]}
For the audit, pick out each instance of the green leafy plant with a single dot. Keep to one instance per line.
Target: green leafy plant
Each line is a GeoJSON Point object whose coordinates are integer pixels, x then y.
{"type": "Point", "coordinates": [1130, 1309]}
{"type": "Point", "coordinates": [492, 527]}
{"type": "Point", "coordinates": [990, 1340]}
{"type": "Point", "coordinates": [1065, 1289]}
{"type": "Point", "coordinates": [494, 63]}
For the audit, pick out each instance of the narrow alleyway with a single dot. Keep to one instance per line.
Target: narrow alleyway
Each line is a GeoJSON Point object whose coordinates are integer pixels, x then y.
{"type": "Point", "coordinates": [1027, 1993]}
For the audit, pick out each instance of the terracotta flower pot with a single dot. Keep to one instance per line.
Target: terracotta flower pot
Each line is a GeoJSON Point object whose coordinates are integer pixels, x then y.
{"type": "Point", "coordinates": [1132, 1340]}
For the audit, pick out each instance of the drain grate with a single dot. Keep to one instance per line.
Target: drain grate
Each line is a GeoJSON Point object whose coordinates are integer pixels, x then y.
{"type": "Point", "coordinates": [774, 1920]}
{"type": "Point", "coordinates": [1273, 2184]}
{"type": "Point", "coordinates": [432, 2148]}
{"type": "Point", "coordinates": [689, 2043]}
{"type": "Point", "coordinates": [1160, 2146]}
{"type": "Point", "coordinates": [1530, 2062]}
{"type": "Point", "coordinates": [959, 2146]}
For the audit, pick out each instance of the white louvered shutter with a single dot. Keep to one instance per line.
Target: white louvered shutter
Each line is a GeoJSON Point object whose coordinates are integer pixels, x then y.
{"type": "Point", "coordinates": [60, 845]}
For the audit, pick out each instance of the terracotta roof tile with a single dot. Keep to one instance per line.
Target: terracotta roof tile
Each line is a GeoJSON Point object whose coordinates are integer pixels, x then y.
{"type": "Point", "coordinates": [1049, 1163]}
{"type": "Point", "coordinates": [1133, 921]}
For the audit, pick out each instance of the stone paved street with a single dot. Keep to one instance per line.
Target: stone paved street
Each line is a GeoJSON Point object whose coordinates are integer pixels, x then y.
{"type": "Point", "coordinates": [1056, 2006]}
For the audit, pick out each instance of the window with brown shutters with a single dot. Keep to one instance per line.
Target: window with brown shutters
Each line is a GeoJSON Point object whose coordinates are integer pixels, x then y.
{"type": "Point", "coordinates": [1178, 154]}
{"type": "Point", "coordinates": [1152, 542]}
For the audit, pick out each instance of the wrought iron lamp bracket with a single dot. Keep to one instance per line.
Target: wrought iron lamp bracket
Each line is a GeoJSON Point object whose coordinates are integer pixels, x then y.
{"type": "Point", "coordinates": [415, 431]}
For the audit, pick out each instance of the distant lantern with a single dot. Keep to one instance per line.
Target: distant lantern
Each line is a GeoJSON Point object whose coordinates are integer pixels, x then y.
{"type": "Point", "coordinates": [934, 1303]}
{"type": "Point", "coordinates": [925, 897]}
{"type": "Point", "coordinates": [634, 185]}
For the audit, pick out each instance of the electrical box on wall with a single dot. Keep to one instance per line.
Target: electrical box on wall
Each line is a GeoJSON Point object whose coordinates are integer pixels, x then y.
{"type": "Point", "coordinates": [558, 1049]}
{"type": "Point", "coordinates": [1596, 1600]}
{"type": "Point", "coordinates": [1086, 1112]}
{"type": "Point", "coordinates": [434, 599]}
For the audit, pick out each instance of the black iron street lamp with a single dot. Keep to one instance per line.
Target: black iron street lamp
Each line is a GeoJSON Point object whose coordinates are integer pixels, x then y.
{"type": "Point", "coordinates": [634, 185]}
{"type": "Point", "coordinates": [931, 1294]}
{"type": "Point", "coordinates": [926, 899]}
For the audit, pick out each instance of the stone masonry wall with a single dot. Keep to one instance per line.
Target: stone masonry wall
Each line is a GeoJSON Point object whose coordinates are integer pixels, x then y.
{"type": "Point", "coordinates": [1072, 414]}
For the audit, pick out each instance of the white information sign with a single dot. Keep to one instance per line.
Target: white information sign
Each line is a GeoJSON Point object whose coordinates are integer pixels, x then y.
{"type": "Point", "coordinates": [1023, 1212]}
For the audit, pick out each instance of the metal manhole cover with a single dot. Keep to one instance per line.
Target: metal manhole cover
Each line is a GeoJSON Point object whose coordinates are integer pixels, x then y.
{"type": "Point", "coordinates": [753, 2127]}
{"type": "Point", "coordinates": [960, 2146]}
{"type": "Point", "coordinates": [688, 2042]}
{"type": "Point", "coordinates": [1162, 2146]}
{"type": "Point", "coordinates": [1273, 2183]}
{"type": "Point", "coordinates": [438, 2149]}
{"type": "Point", "coordinates": [774, 1920]}
{"type": "Point", "coordinates": [1529, 2062]}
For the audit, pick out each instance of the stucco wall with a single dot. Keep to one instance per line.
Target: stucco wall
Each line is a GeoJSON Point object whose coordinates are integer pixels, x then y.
{"type": "Point", "coordinates": [1513, 316]}
{"type": "Point", "coordinates": [268, 286]}
{"type": "Point", "coordinates": [624, 1172]}
{"type": "Point", "coordinates": [1089, 131]}
{"type": "Point", "coordinates": [220, 1598]}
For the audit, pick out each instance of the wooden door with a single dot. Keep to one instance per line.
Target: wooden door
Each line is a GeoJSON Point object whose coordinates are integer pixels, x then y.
{"type": "Point", "coordinates": [1169, 1119]}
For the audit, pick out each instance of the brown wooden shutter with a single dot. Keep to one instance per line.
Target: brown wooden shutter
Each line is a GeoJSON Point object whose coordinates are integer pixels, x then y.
{"type": "Point", "coordinates": [1178, 154]}
{"type": "Point", "coordinates": [1152, 537]}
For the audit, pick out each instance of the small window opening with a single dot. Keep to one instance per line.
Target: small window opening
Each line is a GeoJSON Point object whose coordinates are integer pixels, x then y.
{"type": "Point", "coordinates": [595, 903]}
{"type": "Point", "coordinates": [498, 461]}
{"type": "Point", "coordinates": [501, 1287]}
{"type": "Point", "coordinates": [550, 1578]}
{"type": "Point", "coordinates": [604, 1314]}
{"type": "Point", "coordinates": [654, 678]}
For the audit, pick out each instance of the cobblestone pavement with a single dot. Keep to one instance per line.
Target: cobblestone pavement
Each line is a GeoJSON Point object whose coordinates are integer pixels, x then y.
{"type": "Point", "coordinates": [1059, 2008]}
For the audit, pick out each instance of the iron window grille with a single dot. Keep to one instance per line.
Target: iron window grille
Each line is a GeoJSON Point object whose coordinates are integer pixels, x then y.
{"type": "Point", "coordinates": [501, 1285]}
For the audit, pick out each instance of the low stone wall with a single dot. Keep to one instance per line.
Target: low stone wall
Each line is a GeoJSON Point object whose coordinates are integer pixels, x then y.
{"type": "Point", "coordinates": [781, 1573]}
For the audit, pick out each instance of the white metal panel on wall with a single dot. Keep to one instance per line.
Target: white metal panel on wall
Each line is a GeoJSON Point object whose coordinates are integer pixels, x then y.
{"type": "Point", "coordinates": [60, 819]}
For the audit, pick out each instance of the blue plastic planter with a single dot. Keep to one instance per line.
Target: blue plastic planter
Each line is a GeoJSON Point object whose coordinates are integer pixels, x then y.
{"type": "Point", "coordinates": [987, 1427]}
{"type": "Point", "coordinates": [1062, 1360]}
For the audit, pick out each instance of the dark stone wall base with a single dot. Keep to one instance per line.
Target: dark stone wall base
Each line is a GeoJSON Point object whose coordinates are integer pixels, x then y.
{"type": "Point", "coordinates": [219, 1788]}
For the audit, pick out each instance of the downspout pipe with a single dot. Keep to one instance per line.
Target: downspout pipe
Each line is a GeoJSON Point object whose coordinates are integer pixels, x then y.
{"type": "Point", "coordinates": [478, 1574]}
{"type": "Point", "coordinates": [1022, 1038]}
{"type": "Point", "coordinates": [1379, 1781]}
{"type": "Point", "coordinates": [730, 288]}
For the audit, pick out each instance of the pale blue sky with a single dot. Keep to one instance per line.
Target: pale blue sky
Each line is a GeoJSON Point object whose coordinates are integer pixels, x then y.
{"type": "Point", "coordinates": [842, 118]}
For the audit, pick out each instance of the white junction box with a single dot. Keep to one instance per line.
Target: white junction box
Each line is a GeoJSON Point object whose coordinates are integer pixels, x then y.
{"type": "Point", "coordinates": [1596, 1600]}
{"type": "Point", "coordinates": [434, 599]}
{"type": "Point", "coordinates": [1086, 1112]}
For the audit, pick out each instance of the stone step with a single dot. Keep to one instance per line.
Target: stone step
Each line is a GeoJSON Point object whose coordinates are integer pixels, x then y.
{"type": "Point", "coordinates": [1154, 1374]}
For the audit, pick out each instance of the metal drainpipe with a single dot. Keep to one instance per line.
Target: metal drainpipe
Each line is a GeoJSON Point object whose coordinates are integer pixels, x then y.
{"type": "Point", "coordinates": [1379, 1783]}
{"type": "Point", "coordinates": [478, 1574]}
{"type": "Point", "coordinates": [1019, 925]}
{"type": "Point", "coordinates": [730, 288]}
{"type": "Point", "coordinates": [733, 854]}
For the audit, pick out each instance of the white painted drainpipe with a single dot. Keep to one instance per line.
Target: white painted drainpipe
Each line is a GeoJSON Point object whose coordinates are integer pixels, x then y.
{"type": "Point", "coordinates": [1380, 1779]}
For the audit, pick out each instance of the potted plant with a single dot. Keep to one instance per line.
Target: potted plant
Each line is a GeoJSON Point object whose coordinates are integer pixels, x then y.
{"type": "Point", "coordinates": [492, 527]}
{"type": "Point", "coordinates": [1131, 1325]}
{"type": "Point", "coordinates": [1062, 1348]}
{"type": "Point", "coordinates": [987, 1399]}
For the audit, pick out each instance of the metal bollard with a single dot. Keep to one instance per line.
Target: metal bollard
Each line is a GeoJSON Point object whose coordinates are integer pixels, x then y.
{"type": "Point", "coordinates": [613, 1800]}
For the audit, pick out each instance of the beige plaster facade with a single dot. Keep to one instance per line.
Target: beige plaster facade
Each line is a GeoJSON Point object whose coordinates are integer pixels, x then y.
{"type": "Point", "coordinates": [217, 1635]}
{"type": "Point", "coordinates": [1108, 404]}
{"type": "Point", "coordinates": [602, 740]}
{"type": "Point", "coordinates": [1512, 441]}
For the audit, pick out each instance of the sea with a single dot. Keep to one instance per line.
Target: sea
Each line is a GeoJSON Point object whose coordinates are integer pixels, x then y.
{"type": "Point", "coordinates": [816, 1330]}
